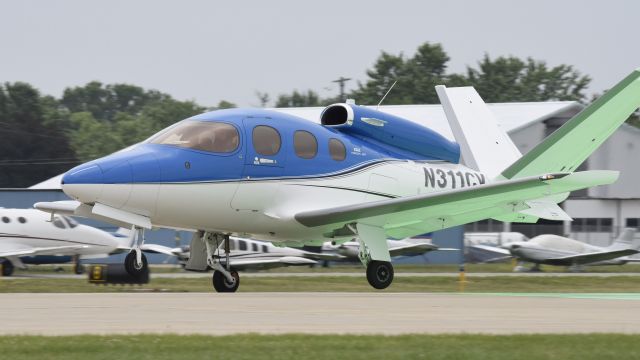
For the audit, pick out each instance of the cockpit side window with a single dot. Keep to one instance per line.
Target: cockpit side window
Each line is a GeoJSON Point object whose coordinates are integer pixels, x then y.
{"type": "Point", "coordinates": [208, 136]}
{"type": "Point", "coordinates": [57, 222]}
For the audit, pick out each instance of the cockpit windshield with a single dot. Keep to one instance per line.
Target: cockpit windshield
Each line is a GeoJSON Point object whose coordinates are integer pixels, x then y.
{"type": "Point", "coordinates": [201, 135]}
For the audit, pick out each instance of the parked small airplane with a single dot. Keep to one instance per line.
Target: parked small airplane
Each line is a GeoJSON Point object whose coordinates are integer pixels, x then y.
{"type": "Point", "coordinates": [249, 254]}
{"type": "Point", "coordinates": [29, 236]}
{"type": "Point", "coordinates": [489, 247]}
{"type": "Point", "coordinates": [360, 173]}
{"type": "Point", "coordinates": [563, 251]}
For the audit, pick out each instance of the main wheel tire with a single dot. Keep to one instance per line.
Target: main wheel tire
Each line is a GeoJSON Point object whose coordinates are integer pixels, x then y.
{"type": "Point", "coordinates": [130, 264]}
{"type": "Point", "coordinates": [380, 274]}
{"type": "Point", "coordinates": [220, 283]}
{"type": "Point", "coordinates": [7, 268]}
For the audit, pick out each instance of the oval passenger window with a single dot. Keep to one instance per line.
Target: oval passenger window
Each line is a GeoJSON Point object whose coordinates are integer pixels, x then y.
{"type": "Point", "coordinates": [337, 150]}
{"type": "Point", "coordinates": [305, 144]}
{"type": "Point", "coordinates": [266, 140]}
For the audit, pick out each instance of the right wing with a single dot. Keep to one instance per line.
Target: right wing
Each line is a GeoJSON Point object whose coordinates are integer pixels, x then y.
{"type": "Point", "coordinates": [488, 254]}
{"type": "Point", "coordinates": [262, 264]}
{"type": "Point", "coordinates": [160, 249]}
{"type": "Point", "coordinates": [419, 214]}
{"type": "Point", "coordinates": [323, 256]}
{"type": "Point", "coordinates": [13, 249]}
{"type": "Point", "coordinates": [594, 257]}
{"type": "Point", "coordinates": [412, 249]}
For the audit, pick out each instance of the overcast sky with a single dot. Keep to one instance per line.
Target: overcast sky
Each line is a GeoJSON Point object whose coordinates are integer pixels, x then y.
{"type": "Point", "coordinates": [208, 51]}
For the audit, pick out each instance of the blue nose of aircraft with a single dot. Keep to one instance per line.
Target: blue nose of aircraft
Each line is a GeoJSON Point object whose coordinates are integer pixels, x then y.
{"type": "Point", "coordinates": [89, 173]}
{"type": "Point", "coordinates": [89, 182]}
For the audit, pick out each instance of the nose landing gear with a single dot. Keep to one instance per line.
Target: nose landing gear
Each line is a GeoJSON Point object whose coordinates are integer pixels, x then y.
{"type": "Point", "coordinates": [136, 263]}
{"type": "Point", "coordinates": [221, 284]}
{"type": "Point", "coordinates": [205, 248]}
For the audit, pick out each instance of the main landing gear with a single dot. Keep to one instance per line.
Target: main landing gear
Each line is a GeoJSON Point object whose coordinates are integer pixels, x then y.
{"type": "Point", "coordinates": [374, 255]}
{"type": "Point", "coordinates": [379, 274]}
{"type": "Point", "coordinates": [77, 266]}
{"type": "Point", "coordinates": [136, 263]}
{"type": "Point", "coordinates": [205, 253]}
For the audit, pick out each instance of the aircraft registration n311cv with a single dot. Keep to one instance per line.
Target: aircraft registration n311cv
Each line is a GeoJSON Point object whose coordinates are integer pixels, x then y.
{"type": "Point", "coordinates": [359, 173]}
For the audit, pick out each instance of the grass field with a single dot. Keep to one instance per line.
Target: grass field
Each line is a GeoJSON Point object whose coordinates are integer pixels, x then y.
{"type": "Point", "coordinates": [566, 347]}
{"type": "Point", "coordinates": [617, 284]}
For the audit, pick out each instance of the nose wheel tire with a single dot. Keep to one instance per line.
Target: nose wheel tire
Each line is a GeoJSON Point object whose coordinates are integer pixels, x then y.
{"type": "Point", "coordinates": [133, 268]}
{"type": "Point", "coordinates": [380, 274]}
{"type": "Point", "coordinates": [221, 284]}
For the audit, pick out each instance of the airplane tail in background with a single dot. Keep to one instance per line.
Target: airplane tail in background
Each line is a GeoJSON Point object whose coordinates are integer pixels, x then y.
{"type": "Point", "coordinates": [624, 240]}
{"type": "Point", "coordinates": [488, 148]}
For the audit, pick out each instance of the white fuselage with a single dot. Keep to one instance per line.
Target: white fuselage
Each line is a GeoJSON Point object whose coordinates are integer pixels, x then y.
{"type": "Point", "coordinates": [265, 209]}
{"type": "Point", "coordinates": [30, 228]}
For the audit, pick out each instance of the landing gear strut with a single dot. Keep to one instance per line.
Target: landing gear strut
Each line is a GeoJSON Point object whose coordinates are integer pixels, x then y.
{"type": "Point", "coordinates": [374, 255]}
{"type": "Point", "coordinates": [136, 263]}
{"type": "Point", "coordinates": [225, 279]}
{"type": "Point", "coordinates": [77, 267]}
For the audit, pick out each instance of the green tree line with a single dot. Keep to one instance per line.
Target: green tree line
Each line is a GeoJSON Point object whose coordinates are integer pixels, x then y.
{"type": "Point", "coordinates": [43, 136]}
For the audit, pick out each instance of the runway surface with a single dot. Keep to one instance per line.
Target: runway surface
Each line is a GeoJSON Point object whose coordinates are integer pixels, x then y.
{"type": "Point", "coordinates": [331, 274]}
{"type": "Point", "coordinates": [345, 313]}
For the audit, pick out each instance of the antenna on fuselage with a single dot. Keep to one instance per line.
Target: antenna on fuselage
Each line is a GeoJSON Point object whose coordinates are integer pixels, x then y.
{"type": "Point", "coordinates": [385, 94]}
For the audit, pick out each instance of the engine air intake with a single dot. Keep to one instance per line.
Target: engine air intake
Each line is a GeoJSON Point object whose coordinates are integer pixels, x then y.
{"type": "Point", "coordinates": [396, 135]}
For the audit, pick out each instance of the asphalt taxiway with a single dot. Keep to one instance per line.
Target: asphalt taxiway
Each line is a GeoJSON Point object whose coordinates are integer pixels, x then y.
{"type": "Point", "coordinates": [321, 313]}
{"type": "Point", "coordinates": [179, 275]}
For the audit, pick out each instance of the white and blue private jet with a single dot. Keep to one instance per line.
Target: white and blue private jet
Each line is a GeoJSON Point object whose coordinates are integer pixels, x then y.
{"type": "Point", "coordinates": [360, 173]}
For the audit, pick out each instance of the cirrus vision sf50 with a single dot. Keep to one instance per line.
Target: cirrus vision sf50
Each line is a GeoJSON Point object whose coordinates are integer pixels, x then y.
{"type": "Point", "coordinates": [359, 173]}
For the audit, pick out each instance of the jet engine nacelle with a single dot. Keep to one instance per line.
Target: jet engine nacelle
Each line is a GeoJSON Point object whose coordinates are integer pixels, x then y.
{"type": "Point", "coordinates": [392, 133]}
